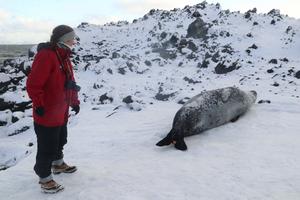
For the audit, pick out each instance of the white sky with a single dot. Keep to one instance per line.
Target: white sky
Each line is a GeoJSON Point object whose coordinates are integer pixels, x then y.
{"type": "Point", "coordinates": [31, 21]}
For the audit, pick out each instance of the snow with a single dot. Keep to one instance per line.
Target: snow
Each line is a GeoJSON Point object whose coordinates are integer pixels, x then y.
{"type": "Point", "coordinates": [256, 157]}
{"type": "Point", "coordinates": [4, 77]}
{"type": "Point", "coordinates": [113, 143]}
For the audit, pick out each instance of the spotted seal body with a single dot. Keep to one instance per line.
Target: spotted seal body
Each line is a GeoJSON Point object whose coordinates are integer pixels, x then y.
{"type": "Point", "coordinates": [207, 110]}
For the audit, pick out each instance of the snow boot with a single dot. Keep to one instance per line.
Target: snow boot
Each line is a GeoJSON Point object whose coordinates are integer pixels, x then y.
{"type": "Point", "coordinates": [51, 187]}
{"type": "Point", "coordinates": [63, 168]}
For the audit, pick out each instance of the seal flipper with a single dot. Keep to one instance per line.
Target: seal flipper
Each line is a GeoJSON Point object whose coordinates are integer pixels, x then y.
{"type": "Point", "coordinates": [180, 144]}
{"type": "Point", "coordinates": [235, 119]}
{"type": "Point", "coordinates": [166, 141]}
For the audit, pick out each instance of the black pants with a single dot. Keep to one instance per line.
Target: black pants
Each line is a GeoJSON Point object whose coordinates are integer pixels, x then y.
{"type": "Point", "coordinates": [50, 143]}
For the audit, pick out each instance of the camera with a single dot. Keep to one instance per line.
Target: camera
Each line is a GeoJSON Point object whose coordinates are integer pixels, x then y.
{"type": "Point", "coordinates": [71, 85]}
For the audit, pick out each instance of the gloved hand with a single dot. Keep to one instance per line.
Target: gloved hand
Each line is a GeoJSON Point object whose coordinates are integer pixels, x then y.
{"type": "Point", "coordinates": [76, 109]}
{"type": "Point", "coordinates": [40, 111]}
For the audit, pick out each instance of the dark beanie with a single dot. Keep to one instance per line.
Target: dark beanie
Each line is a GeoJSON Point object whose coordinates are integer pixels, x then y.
{"type": "Point", "coordinates": [59, 31]}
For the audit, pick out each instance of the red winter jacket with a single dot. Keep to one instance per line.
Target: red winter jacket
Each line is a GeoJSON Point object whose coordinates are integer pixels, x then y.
{"type": "Point", "coordinates": [46, 87]}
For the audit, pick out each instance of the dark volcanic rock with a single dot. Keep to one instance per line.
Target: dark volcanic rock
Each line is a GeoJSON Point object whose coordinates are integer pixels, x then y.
{"type": "Point", "coordinates": [183, 43]}
{"type": "Point", "coordinates": [196, 14]}
{"type": "Point", "coordinates": [197, 29]}
{"type": "Point", "coordinates": [223, 69]}
{"type": "Point", "coordinates": [165, 54]}
{"type": "Point", "coordinates": [204, 64]}
{"type": "Point", "coordinates": [189, 80]}
{"type": "Point", "coordinates": [13, 106]}
{"type": "Point", "coordinates": [122, 70]}
{"type": "Point", "coordinates": [284, 60]}
{"type": "Point", "coordinates": [216, 57]}
{"type": "Point", "coordinates": [110, 71]}
{"type": "Point", "coordinates": [16, 132]}
{"type": "Point", "coordinates": [115, 55]}
{"type": "Point", "coordinates": [247, 15]}
{"type": "Point", "coordinates": [10, 62]}
{"type": "Point", "coordinates": [274, 13]}
{"type": "Point", "coordinates": [201, 5]}
{"type": "Point", "coordinates": [4, 87]}
{"type": "Point", "coordinates": [163, 35]}
{"type": "Point", "coordinates": [22, 106]}
{"type": "Point", "coordinates": [5, 105]}
{"type": "Point", "coordinates": [263, 101]}
{"type": "Point", "coordinates": [273, 22]}
{"type": "Point", "coordinates": [253, 46]}
{"type": "Point", "coordinates": [128, 99]}
{"type": "Point", "coordinates": [25, 68]}
{"type": "Point", "coordinates": [87, 58]}
{"type": "Point", "coordinates": [163, 97]}
{"type": "Point", "coordinates": [3, 123]}
{"type": "Point", "coordinates": [297, 75]}
{"type": "Point", "coordinates": [30, 53]}
{"type": "Point", "coordinates": [104, 98]}
{"type": "Point", "coordinates": [227, 49]}
{"type": "Point", "coordinates": [249, 35]}
{"type": "Point", "coordinates": [273, 61]}
{"type": "Point", "coordinates": [173, 40]}
{"type": "Point", "coordinates": [148, 63]}
{"type": "Point", "coordinates": [192, 46]}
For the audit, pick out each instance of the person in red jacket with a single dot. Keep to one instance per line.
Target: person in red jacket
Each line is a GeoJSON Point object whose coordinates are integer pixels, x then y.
{"type": "Point", "coordinates": [52, 89]}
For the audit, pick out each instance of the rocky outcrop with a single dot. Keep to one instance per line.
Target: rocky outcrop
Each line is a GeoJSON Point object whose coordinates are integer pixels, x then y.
{"type": "Point", "coordinates": [197, 29]}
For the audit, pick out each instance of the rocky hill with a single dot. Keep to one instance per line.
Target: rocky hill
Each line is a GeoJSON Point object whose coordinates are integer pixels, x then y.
{"type": "Point", "coordinates": [169, 56]}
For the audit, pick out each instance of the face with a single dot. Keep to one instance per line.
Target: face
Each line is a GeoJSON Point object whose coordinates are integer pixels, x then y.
{"type": "Point", "coordinates": [71, 42]}
{"type": "Point", "coordinates": [254, 95]}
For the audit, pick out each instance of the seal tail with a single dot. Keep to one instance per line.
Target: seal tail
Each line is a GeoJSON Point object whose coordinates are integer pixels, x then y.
{"type": "Point", "coordinates": [173, 138]}
{"type": "Point", "coordinates": [167, 140]}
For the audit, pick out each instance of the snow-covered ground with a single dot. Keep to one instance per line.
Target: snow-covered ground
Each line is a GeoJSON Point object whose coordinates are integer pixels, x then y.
{"type": "Point", "coordinates": [144, 69]}
{"type": "Point", "coordinates": [256, 157]}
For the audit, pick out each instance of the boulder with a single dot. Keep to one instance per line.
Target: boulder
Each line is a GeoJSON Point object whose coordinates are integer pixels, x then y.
{"type": "Point", "coordinates": [297, 75]}
{"type": "Point", "coordinates": [105, 99]}
{"type": "Point", "coordinates": [128, 100]}
{"type": "Point", "coordinates": [221, 68]}
{"type": "Point", "coordinates": [197, 29]}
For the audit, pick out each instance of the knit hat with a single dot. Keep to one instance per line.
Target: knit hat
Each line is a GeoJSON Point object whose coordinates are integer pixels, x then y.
{"type": "Point", "coordinates": [62, 33]}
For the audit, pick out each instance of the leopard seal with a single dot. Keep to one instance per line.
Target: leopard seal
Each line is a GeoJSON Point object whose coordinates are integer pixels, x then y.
{"type": "Point", "coordinates": [207, 110]}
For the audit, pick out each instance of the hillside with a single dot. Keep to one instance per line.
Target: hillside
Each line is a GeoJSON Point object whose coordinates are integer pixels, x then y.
{"type": "Point", "coordinates": [134, 77]}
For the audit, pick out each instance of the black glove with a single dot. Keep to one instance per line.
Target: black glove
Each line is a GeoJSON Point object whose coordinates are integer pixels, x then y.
{"type": "Point", "coordinates": [76, 109]}
{"type": "Point", "coordinates": [40, 111]}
